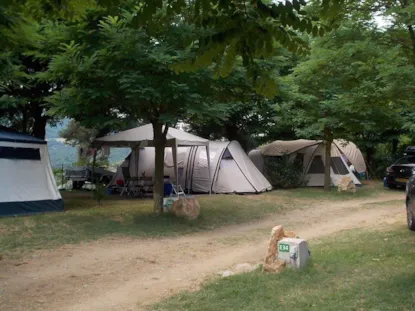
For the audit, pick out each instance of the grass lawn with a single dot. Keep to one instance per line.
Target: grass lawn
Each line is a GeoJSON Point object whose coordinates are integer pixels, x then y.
{"type": "Point", "coordinates": [353, 270]}
{"type": "Point", "coordinates": [84, 220]}
{"type": "Point", "coordinates": [368, 189]}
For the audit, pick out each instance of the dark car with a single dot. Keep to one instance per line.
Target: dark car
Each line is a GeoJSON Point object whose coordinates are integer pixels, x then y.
{"type": "Point", "coordinates": [398, 173]}
{"type": "Point", "coordinates": [410, 202]}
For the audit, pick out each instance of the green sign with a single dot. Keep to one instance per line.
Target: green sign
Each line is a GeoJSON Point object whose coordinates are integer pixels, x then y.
{"type": "Point", "coordinates": [284, 247]}
{"type": "Point", "coordinates": [168, 203]}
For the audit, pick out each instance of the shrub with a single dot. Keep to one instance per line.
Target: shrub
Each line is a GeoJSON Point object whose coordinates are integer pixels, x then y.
{"type": "Point", "coordinates": [283, 173]}
{"type": "Point", "coordinates": [99, 193]}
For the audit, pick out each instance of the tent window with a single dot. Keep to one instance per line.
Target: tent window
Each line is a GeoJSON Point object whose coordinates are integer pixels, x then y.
{"type": "Point", "coordinates": [317, 166]}
{"type": "Point", "coordinates": [19, 153]}
{"type": "Point", "coordinates": [338, 166]}
{"type": "Point", "coordinates": [227, 155]}
{"type": "Point", "coordinates": [299, 159]}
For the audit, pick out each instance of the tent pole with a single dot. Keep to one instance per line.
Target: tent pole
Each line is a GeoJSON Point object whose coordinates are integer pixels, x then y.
{"type": "Point", "coordinates": [137, 160]}
{"type": "Point", "coordinates": [208, 160]}
{"type": "Point", "coordinates": [176, 171]}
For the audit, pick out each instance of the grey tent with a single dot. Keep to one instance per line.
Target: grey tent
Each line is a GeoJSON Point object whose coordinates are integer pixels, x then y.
{"type": "Point", "coordinates": [311, 154]}
{"type": "Point", "coordinates": [231, 170]}
{"type": "Point", "coordinates": [143, 136]}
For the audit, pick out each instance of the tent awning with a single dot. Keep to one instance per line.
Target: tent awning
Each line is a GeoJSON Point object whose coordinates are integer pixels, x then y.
{"type": "Point", "coordinates": [348, 148]}
{"type": "Point", "coordinates": [143, 135]}
{"type": "Point", "coordinates": [281, 147]}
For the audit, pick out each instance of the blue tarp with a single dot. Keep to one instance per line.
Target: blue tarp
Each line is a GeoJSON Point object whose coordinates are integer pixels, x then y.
{"type": "Point", "coordinates": [10, 135]}
{"type": "Point", "coordinates": [30, 207]}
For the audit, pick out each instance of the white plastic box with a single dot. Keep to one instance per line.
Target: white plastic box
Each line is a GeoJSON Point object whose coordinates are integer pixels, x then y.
{"type": "Point", "coordinates": [294, 252]}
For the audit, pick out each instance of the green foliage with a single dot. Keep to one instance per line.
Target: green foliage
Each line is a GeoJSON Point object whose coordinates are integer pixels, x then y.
{"type": "Point", "coordinates": [99, 193]}
{"type": "Point", "coordinates": [252, 119]}
{"type": "Point", "coordinates": [108, 88]}
{"type": "Point", "coordinates": [58, 174]}
{"type": "Point", "coordinates": [101, 161]}
{"type": "Point", "coordinates": [77, 135]}
{"type": "Point", "coordinates": [355, 89]}
{"type": "Point", "coordinates": [82, 137]}
{"type": "Point", "coordinates": [353, 86]}
{"type": "Point", "coordinates": [283, 173]}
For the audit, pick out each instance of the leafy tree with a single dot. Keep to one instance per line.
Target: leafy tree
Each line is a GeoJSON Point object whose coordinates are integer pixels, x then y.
{"type": "Point", "coordinates": [398, 20]}
{"type": "Point", "coordinates": [130, 75]}
{"type": "Point", "coordinates": [252, 119]}
{"type": "Point", "coordinates": [33, 31]}
{"type": "Point", "coordinates": [351, 86]}
{"type": "Point", "coordinates": [81, 137]}
{"type": "Point", "coordinates": [249, 29]}
{"type": "Point", "coordinates": [144, 62]}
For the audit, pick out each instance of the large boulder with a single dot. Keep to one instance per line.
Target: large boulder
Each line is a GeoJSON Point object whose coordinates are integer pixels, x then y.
{"type": "Point", "coordinates": [271, 262]}
{"type": "Point", "coordinates": [186, 207]}
{"type": "Point", "coordinates": [346, 184]}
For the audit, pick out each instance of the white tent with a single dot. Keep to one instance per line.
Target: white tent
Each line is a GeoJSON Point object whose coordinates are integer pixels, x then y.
{"type": "Point", "coordinates": [27, 184]}
{"type": "Point", "coordinates": [231, 170]}
{"type": "Point", "coordinates": [311, 153]}
{"type": "Point", "coordinates": [143, 136]}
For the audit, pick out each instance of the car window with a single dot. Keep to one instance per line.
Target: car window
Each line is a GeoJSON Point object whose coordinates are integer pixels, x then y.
{"type": "Point", "coordinates": [406, 160]}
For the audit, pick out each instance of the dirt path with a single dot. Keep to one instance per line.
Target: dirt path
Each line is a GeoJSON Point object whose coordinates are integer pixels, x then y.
{"type": "Point", "coordinates": [124, 274]}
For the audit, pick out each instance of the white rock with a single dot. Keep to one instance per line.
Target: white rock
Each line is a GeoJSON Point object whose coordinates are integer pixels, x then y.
{"type": "Point", "coordinates": [244, 267]}
{"type": "Point", "coordinates": [256, 267]}
{"type": "Point", "coordinates": [226, 273]}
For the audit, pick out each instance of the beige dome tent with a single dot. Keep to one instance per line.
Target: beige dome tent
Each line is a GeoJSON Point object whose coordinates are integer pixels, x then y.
{"type": "Point", "coordinates": [231, 170]}
{"type": "Point", "coordinates": [311, 154]}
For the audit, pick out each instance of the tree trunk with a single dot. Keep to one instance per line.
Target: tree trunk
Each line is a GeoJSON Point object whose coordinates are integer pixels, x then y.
{"type": "Point", "coordinates": [158, 186]}
{"type": "Point", "coordinates": [328, 138]}
{"type": "Point", "coordinates": [395, 143]}
{"type": "Point", "coordinates": [369, 158]}
{"type": "Point", "coordinates": [39, 128]}
{"type": "Point", "coordinates": [327, 166]}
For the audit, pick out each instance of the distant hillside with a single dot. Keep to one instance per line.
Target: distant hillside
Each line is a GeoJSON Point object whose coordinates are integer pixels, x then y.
{"type": "Point", "coordinates": [62, 154]}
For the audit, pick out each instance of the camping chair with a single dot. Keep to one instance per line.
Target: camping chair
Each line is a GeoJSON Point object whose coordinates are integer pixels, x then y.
{"type": "Point", "coordinates": [128, 181]}
{"type": "Point", "coordinates": [177, 189]}
{"type": "Point", "coordinates": [145, 183]}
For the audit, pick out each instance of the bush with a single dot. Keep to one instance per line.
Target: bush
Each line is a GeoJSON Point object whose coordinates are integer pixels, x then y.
{"type": "Point", "coordinates": [58, 174]}
{"type": "Point", "coordinates": [283, 173]}
{"type": "Point", "coordinates": [99, 193]}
